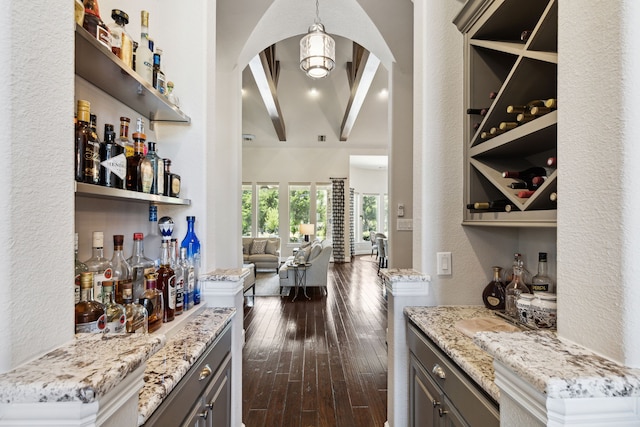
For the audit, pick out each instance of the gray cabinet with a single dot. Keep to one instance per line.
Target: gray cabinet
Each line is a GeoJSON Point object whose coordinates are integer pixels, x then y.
{"type": "Point", "coordinates": [202, 398]}
{"type": "Point", "coordinates": [440, 393]}
{"type": "Point", "coordinates": [511, 59]}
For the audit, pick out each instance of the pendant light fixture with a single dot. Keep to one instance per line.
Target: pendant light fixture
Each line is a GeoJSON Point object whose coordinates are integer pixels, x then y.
{"type": "Point", "coordinates": [317, 50]}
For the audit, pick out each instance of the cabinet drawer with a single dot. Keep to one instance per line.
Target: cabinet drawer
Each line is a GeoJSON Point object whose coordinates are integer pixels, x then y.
{"type": "Point", "coordinates": [188, 392]}
{"type": "Point", "coordinates": [470, 400]}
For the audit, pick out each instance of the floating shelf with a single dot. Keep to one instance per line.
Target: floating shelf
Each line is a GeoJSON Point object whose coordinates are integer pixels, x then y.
{"type": "Point", "coordinates": [97, 191]}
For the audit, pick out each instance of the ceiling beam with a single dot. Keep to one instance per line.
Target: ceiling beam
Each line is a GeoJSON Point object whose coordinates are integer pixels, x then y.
{"type": "Point", "coordinates": [360, 73]}
{"type": "Point", "coordinates": [266, 70]}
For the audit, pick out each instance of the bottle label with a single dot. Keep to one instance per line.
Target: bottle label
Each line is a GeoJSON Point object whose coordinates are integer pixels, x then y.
{"type": "Point", "coordinates": [98, 278]}
{"type": "Point", "coordinates": [172, 292]}
{"type": "Point", "coordinates": [179, 293]}
{"type": "Point", "coordinates": [128, 150]}
{"type": "Point", "coordinates": [103, 36]}
{"type": "Point", "coordinates": [77, 289]}
{"type": "Point", "coordinates": [493, 301]}
{"type": "Point", "coordinates": [92, 327]}
{"type": "Point", "coordinates": [146, 175]}
{"type": "Point", "coordinates": [117, 326]}
{"type": "Point", "coordinates": [135, 325]}
{"type": "Point", "coordinates": [117, 165]}
{"type": "Point", "coordinates": [175, 186]}
{"type": "Point", "coordinates": [540, 287]}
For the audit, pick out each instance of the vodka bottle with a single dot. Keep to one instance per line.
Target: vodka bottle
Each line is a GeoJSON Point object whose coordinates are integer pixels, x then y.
{"type": "Point", "coordinates": [140, 266]}
{"type": "Point", "coordinates": [99, 265]}
{"type": "Point", "coordinates": [144, 55]}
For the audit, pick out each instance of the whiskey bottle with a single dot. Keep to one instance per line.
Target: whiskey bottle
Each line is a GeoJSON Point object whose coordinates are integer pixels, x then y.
{"type": "Point", "coordinates": [121, 41]}
{"type": "Point", "coordinates": [136, 314]}
{"type": "Point", "coordinates": [92, 154]}
{"type": "Point", "coordinates": [153, 301]}
{"type": "Point", "coordinates": [99, 265]}
{"type": "Point", "coordinates": [80, 267]}
{"type": "Point", "coordinates": [171, 181]}
{"type": "Point", "coordinates": [94, 24]}
{"type": "Point", "coordinates": [139, 169]}
{"type": "Point", "coordinates": [175, 265]}
{"type": "Point", "coordinates": [192, 244]}
{"type": "Point", "coordinates": [158, 76]}
{"type": "Point", "coordinates": [89, 314]}
{"type": "Point", "coordinates": [124, 140]}
{"type": "Point", "coordinates": [116, 318]}
{"type": "Point", "coordinates": [189, 276]}
{"type": "Point", "coordinates": [167, 284]}
{"type": "Point", "coordinates": [144, 55]}
{"type": "Point", "coordinates": [157, 165]}
{"type": "Point", "coordinates": [112, 160]}
{"type": "Point", "coordinates": [493, 294]}
{"type": "Point", "coordinates": [141, 266]}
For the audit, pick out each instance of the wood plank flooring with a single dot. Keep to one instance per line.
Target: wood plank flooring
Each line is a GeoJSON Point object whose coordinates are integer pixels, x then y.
{"type": "Point", "coordinates": [319, 362]}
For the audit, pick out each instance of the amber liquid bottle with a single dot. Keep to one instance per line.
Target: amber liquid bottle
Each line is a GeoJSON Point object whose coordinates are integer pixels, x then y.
{"type": "Point", "coordinates": [90, 314]}
{"type": "Point", "coordinates": [493, 294]}
{"type": "Point", "coordinates": [94, 24]}
{"type": "Point", "coordinates": [167, 283]}
{"type": "Point", "coordinates": [153, 302]}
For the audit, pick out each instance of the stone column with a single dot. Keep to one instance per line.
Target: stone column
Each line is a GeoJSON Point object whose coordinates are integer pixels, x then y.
{"type": "Point", "coordinates": [405, 287]}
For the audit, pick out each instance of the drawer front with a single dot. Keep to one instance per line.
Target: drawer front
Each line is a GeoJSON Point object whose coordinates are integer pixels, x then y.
{"type": "Point", "coordinates": [471, 402]}
{"type": "Point", "coordinates": [187, 395]}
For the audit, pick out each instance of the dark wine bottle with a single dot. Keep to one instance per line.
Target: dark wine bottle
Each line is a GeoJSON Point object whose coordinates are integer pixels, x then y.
{"type": "Point", "coordinates": [518, 185]}
{"type": "Point", "coordinates": [493, 95]}
{"type": "Point", "coordinates": [552, 161]}
{"type": "Point", "coordinates": [109, 161]}
{"type": "Point", "coordinates": [525, 194]}
{"type": "Point", "coordinates": [493, 294]}
{"type": "Point", "coordinates": [551, 103]}
{"type": "Point", "coordinates": [477, 111]}
{"type": "Point", "coordinates": [499, 205]}
{"type": "Point", "coordinates": [540, 111]}
{"type": "Point", "coordinates": [553, 196]}
{"type": "Point", "coordinates": [526, 174]}
{"type": "Point", "coordinates": [524, 36]}
{"type": "Point", "coordinates": [525, 117]}
{"type": "Point", "coordinates": [508, 125]}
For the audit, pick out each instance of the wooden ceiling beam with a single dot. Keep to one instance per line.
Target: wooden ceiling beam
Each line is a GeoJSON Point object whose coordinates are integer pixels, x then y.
{"type": "Point", "coordinates": [266, 71]}
{"type": "Point", "coordinates": [360, 73]}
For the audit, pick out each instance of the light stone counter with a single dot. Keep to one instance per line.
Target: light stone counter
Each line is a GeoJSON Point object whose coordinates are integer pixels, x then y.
{"type": "Point", "coordinates": [168, 366]}
{"type": "Point", "coordinates": [81, 371]}
{"type": "Point", "coordinates": [558, 368]}
{"type": "Point", "coordinates": [437, 323]}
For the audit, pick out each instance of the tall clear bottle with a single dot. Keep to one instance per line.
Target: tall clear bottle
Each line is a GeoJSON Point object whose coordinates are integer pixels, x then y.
{"type": "Point", "coordinates": [141, 266]}
{"type": "Point", "coordinates": [189, 277]}
{"type": "Point", "coordinates": [192, 244]}
{"type": "Point", "coordinates": [167, 284]}
{"type": "Point", "coordinates": [90, 316]}
{"type": "Point", "coordinates": [80, 267]}
{"type": "Point", "coordinates": [153, 239]}
{"type": "Point", "coordinates": [121, 41]}
{"type": "Point", "coordinates": [175, 265]}
{"type": "Point", "coordinates": [514, 289]}
{"type": "Point", "coordinates": [144, 55]}
{"type": "Point", "coordinates": [157, 164]}
{"type": "Point", "coordinates": [121, 268]}
{"type": "Point", "coordinates": [116, 318]}
{"type": "Point", "coordinates": [99, 265]}
{"type": "Point", "coordinates": [137, 316]}
{"type": "Point", "coordinates": [541, 282]}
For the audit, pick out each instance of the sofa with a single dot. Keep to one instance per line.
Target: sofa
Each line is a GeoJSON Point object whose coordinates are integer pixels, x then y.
{"type": "Point", "coordinates": [318, 254]}
{"type": "Point", "coordinates": [262, 252]}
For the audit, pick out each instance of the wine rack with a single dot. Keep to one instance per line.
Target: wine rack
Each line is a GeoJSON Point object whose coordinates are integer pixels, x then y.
{"type": "Point", "coordinates": [499, 58]}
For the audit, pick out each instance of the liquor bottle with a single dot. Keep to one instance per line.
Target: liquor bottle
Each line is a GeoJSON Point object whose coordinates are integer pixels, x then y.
{"type": "Point", "coordinates": [478, 111]}
{"type": "Point", "coordinates": [81, 137]}
{"type": "Point", "coordinates": [80, 267]}
{"type": "Point", "coordinates": [508, 272]}
{"type": "Point", "coordinates": [171, 95]}
{"type": "Point", "coordinates": [113, 162]}
{"type": "Point", "coordinates": [139, 169]}
{"type": "Point", "coordinates": [541, 282]}
{"type": "Point", "coordinates": [179, 273]}
{"type": "Point", "coordinates": [79, 12]}
{"type": "Point", "coordinates": [493, 294]}
{"type": "Point", "coordinates": [153, 239]}
{"type": "Point", "coordinates": [141, 266]}
{"type": "Point", "coordinates": [153, 301]}
{"type": "Point", "coordinates": [116, 318]}
{"type": "Point", "coordinates": [94, 24]}
{"type": "Point", "coordinates": [172, 180]}
{"type": "Point", "coordinates": [157, 164]}
{"type": "Point", "coordinates": [89, 314]}
{"type": "Point", "coordinates": [167, 284]}
{"type": "Point", "coordinates": [99, 265]}
{"type": "Point", "coordinates": [121, 41]}
{"type": "Point", "coordinates": [144, 55]}
{"type": "Point", "coordinates": [136, 315]}
{"type": "Point", "coordinates": [120, 266]}
{"type": "Point", "coordinates": [188, 273]}
{"type": "Point", "coordinates": [158, 75]}
{"type": "Point", "coordinates": [514, 289]}
{"type": "Point", "coordinates": [124, 140]}
{"type": "Point", "coordinates": [88, 139]}
{"type": "Point", "coordinates": [192, 244]}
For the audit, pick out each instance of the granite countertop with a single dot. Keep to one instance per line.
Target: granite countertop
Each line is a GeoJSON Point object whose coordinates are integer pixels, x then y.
{"type": "Point", "coordinates": [167, 367]}
{"type": "Point", "coordinates": [79, 371]}
{"type": "Point", "coordinates": [558, 368]}
{"type": "Point", "coordinates": [437, 323]}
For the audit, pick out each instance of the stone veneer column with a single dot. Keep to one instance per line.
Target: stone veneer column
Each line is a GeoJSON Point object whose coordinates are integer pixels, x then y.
{"type": "Point", "coordinates": [224, 288]}
{"type": "Point", "coordinates": [405, 287]}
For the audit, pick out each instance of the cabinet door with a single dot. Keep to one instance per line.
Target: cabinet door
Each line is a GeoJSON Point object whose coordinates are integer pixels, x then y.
{"type": "Point", "coordinates": [217, 398]}
{"type": "Point", "coordinates": [424, 398]}
{"type": "Point", "coordinates": [197, 416]}
{"type": "Point", "coordinates": [450, 415]}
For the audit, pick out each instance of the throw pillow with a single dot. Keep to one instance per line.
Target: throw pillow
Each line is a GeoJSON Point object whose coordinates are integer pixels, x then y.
{"type": "Point", "coordinates": [272, 247]}
{"type": "Point", "coordinates": [246, 247]}
{"type": "Point", "coordinates": [258, 247]}
{"type": "Point", "coordinates": [315, 251]}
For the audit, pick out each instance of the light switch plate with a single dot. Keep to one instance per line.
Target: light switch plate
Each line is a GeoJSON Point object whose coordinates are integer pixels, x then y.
{"type": "Point", "coordinates": [444, 263]}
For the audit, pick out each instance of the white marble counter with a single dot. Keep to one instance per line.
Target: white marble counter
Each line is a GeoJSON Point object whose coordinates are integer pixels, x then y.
{"type": "Point", "coordinates": [82, 371]}
{"type": "Point", "coordinates": [558, 368]}
{"type": "Point", "coordinates": [403, 275]}
{"type": "Point", "coordinates": [225, 274]}
{"type": "Point", "coordinates": [437, 323]}
{"type": "Point", "coordinates": [168, 366]}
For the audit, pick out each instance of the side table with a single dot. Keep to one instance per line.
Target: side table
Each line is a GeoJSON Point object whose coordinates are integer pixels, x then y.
{"type": "Point", "coordinates": [300, 271]}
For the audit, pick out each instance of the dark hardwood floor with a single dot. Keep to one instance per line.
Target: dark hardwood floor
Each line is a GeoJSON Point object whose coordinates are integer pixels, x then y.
{"type": "Point", "coordinates": [319, 362]}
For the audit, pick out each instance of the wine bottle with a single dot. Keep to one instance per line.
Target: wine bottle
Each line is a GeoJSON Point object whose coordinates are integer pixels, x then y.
{"type": "Point", "coordinates": [525, 117]}
{"type": "Point", "coordinates": [477, 111]}
{"type": "Point", "coordinates": [499, 205]}
{"type": "Point", "coordinates": [551, 103]}
{"type": "Point", "coordinates": [526, 174]}
{"type": "Point", "coordinates": [540, 111]}
{"type": "Point", "coordinates": [508, 125]}
{"type": "Point", "coordinates": [553, 196]}
{"type": "Point", "coordinates": [525, 194]}
{"type": "Point", "coordinates": [496, 131]}
{"type": "Point", "coordinates": [486, 135]}
{"type": "Point", "coordinates": [476, 126]}
{"type": "Point", "coordinates": [493, 95]}
{"type": "Point", "coordinates": [517, 109]}
{"type": "Point", "coordinates": [518, 185]}
{"type": "Point", "coordinates": [552, 161]}
{"type": "Point", "coordinates": [537, 181]}
{"type": "Point", "coordinates": [524, 36]}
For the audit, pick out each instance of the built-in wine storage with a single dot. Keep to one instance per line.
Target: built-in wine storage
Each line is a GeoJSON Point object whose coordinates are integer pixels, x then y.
{"type": "Point", "coordinates": [511, 59]}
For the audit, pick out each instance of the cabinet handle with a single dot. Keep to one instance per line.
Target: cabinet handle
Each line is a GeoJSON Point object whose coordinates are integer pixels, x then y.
{"type": "Point", "coordinates": [438, 371]}
{"type": "Point", "coordinates": [442, 412]}
{"type": "Point", "coordinates": [205, 414]}
{"type": "Point", "coordinates": [210, 405]}
{"type": "Point", "coordinates": [435, 403]}
{"type": "Point", "coordinates": [206, 371]}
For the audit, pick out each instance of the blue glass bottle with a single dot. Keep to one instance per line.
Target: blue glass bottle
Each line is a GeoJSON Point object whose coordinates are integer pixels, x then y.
{"type": "Point", "coordinates": [192, 244]}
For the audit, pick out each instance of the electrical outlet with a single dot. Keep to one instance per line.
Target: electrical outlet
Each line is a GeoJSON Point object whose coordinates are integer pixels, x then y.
{"type": "Point", "coordinates": [444, 263]}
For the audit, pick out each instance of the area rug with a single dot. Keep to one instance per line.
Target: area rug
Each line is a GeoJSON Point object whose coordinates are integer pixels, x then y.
{"type": "Point", "coordinates": [268, 285]}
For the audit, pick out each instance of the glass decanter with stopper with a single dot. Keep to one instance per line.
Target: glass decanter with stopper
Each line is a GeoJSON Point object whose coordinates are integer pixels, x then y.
{"type": "Point", "coordinates": [514, 289]}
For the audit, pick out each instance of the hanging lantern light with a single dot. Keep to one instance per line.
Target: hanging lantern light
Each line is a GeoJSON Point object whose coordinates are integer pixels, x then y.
{"type": "Point", "coordinates": [317, 50]}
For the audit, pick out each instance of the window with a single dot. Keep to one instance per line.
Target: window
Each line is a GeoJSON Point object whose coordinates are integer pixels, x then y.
{"type": "Point", "coordinates": [369, 215]}
{"type": "Point", "coordinates": [247, 209]}
{"type": "Point", "coordinates": [268, 217]}
{"type": "Point", "coordinates": [322, 209]}
{"type": "Point", "coordinates": [299, 209]}
{"type": "Point", "coordinates": [385, 216]}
